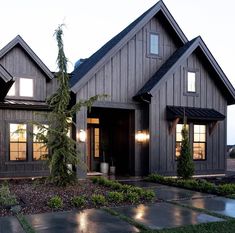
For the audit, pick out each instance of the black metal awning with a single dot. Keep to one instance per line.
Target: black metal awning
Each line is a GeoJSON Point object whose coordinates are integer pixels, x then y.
{"type": "Point", "coordinates": [201, 114]}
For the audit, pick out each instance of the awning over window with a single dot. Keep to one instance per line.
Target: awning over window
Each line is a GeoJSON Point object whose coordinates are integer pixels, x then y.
{"type": "Point", "coordinates": [201, 114]}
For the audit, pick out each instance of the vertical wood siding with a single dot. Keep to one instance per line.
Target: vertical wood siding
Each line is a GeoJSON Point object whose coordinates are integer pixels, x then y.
{"type": "Point", "coordinates": [172, 92]}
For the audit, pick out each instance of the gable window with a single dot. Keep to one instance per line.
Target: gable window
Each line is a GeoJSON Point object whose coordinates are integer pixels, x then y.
{"type": "Point", "coordinates": [199, 142]}
{"type": "Point", "coordinates": [40, 150]}
{"type": "Point", "coordinates": [191, 82]}
{"type": "Point", "coordinates": [26, 87]}
{"type": "Point", "coordinates": [18, 142]}
{"type": "Point", "coordinates": [154, 44]}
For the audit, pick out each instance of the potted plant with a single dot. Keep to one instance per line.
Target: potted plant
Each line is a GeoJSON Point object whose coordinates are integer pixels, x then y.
{"type": "Point", "coordinates": [112, 167]}
{"type": "Point", "coordinates": [104, 166]}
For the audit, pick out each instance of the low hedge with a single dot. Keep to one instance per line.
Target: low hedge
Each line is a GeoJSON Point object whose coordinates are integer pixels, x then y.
{"type": "Point", "coordinates": [129, 192]}
{"type": "Point", "coordinates": [193, 184]}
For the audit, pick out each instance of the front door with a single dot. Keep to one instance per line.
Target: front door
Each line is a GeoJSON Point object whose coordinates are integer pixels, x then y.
{"type": "Point", "coordinates": [93, 144]}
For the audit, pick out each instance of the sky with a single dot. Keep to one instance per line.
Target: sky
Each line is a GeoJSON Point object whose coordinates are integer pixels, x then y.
{"type": "Point", "coordinates": [91, 23]}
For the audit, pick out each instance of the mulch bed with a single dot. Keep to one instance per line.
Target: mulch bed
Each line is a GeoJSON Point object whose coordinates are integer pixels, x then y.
{"type": "Point", "coordinates": [221, 180]}
{"type": "Point", "coordinates": [35, 195]}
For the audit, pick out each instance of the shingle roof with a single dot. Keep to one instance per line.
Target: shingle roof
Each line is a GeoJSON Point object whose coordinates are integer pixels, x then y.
{"type": "Point", "coordinates": [193, 113]}
{"type": "Point", "coordinates": [164, 69]}
{"type": "Point", "coordinates": [80, 71]}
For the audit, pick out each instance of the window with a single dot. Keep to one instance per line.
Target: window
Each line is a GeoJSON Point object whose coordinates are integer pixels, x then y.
{"type": "Point", "coordinates": [191, 82]}
{"type": "Point", "coordinates": [93, 120]}
{"type": "Point", "coordinates": [154, 44]}
{"type": "Point", "coordinates": [26, 87]}
{"type": "Point", "coordinates": [40, 150]}
{"type": "Point", "coordinates": [18, 142]}
{"type": "Point", "coordinates": [178, 143]}
{"type": "Point", "coordinates": [97, 142]}
{"type": "Point", "coordinates": [199, 142]}
{"type": "Point", "coordinates": [12, 91]}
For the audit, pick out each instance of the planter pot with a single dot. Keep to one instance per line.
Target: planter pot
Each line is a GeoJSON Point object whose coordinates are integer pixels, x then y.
{"type": "Point", "coordinates": [112, 170]}
{"type": "Point", "coordinates": [104, 168]}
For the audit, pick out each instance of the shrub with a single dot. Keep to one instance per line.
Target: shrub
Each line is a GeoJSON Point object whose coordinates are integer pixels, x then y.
{"type": "Point", "coordinates": [185, 165]}
{"type": "Point", "coordinates": [55, 202]}
{"type": "Point", "coordinates": [148, 195]}
{"type": "Point", "coordinates": [98, 199]}
{"type": "Point", "coordinates": [132, 197]}
{"type": "Point", "coordinates": [78, 201]}
{"type": "Point", "coordinates": [115, 197]}
{"type": "Point", "coordinates": [6, 198]}
{"type": "Point", "coordinates": [226, 189]}
{"type": "Point", "coordinates": [232, 153]}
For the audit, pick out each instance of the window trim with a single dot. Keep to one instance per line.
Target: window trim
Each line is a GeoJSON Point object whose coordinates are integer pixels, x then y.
{"type": "Point", "coordinates": [149, 54]}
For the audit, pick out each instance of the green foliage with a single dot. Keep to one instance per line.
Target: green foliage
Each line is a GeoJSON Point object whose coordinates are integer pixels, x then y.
{"type": "Point", "coordinates": [78, 201]}
{"type": "Point", "coordinates": [132, 197]}
{"type": "Point", "coordinates": [98, 199]}
{"type": "Point", "coordinates": [55, 202]}
{"type": "Point", "coordinates": [148, 195]}
{"type": "Point", "coordinates": [226, 189]}
{"type": "Point", "coordinates": [115, 196]}
{"type": "Point", "coordinates": [185, 165]}
{"type": "Point", "coordinates": [6, 198]}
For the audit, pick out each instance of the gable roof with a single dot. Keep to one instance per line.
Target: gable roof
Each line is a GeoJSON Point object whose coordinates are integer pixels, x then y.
{"type": "Point", "coordinates": [19, 41]}
{"type": "Point", "coordinates": [6, 81]}
{"type": "Point", "coordinates": [98, 58]}
{"type": "Point", "coordinates": [176, 60]}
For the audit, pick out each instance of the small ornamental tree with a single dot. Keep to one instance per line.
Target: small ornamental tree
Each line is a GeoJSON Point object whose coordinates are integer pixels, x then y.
{"type": "Point", "coordinates": [185, 165]}
{"type": "Point", "coordinates": [63, 150]}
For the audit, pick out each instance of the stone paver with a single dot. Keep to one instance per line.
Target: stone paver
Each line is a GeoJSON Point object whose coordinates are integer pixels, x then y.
{"type": "Point", "coordinates": [219, 205]}
{"type": "Point", "coordinates": [165, 215]}
{"type": "Point", "coordinates": [10, 225]}
{"type": "Point", "coordinates": [142, 184]}
{"type": "Point", "coordinates": [87, 221]}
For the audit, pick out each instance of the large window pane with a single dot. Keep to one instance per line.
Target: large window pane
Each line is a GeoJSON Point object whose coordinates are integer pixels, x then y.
{"type": "Point", "coordinates": [18, 142]}
{"type": "Point", "coordinates": [191, 82]}
{"type": "Point", "coordinates": [199, 142]}
{"type": "Point", "coordinates": [154, 44]}
{"type": "Point", "coordinates": [97, 142]}
{"type": "Point", "coordinates": [178, 137]}
{"type": "Point", "coordinates": [26, 87]}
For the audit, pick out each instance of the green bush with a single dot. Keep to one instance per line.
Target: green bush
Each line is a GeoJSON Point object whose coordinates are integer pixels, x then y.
{"type": "Point", "coordinates": [132, 197]}
{"type": "Point", "coordinates": [6, 198]}
{"type": "Point", "coordinates": [185, 165]}
{"type": "Point", "coordinates": [115, 197]}
{"type": "Point", "coordinates": [55, 202]}
{"type": "Point", "coordinates": [78, 201]}
{"type": "Point", "coordinates": [226, 189]}
{"type": "Point", "coordinates": [148, 195]}
{"type": "Point", "coordinates": [98, 199]}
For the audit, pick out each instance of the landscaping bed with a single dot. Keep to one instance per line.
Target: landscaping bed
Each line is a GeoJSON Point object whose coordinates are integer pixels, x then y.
{"type": "Point", "coordinates": [39, 196]}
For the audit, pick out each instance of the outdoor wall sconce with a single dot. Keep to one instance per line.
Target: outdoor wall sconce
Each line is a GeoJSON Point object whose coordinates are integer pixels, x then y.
{"type": "Point", "coordinates": [141, 136]}
{"type": "Point", "coordinates": [82, 135]}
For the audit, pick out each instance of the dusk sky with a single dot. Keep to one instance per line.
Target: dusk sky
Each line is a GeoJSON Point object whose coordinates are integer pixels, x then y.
{"type": "Point", "coordinates": [91, 23]}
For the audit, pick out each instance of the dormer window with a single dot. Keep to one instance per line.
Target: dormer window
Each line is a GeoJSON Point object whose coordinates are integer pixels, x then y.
{"type": "Point", "coordinates": [191, 82]}
{"type": "Point", "coordinates": [23, 87]}
{"type": "Point", "coordinates": [154, 44]}
{"type": "Point", "coordinates": [26, 87]}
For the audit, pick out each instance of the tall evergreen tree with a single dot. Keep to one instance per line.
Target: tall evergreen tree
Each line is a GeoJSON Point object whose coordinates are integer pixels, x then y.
{"type": "Point", "coordinates": [185, 165]}
{"type": "Point", "coordinates": [62, 149]}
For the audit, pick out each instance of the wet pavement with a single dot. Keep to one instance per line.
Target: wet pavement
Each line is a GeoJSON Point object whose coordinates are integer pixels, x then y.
{"type": "Point", "coordinates": [141, 184]}
{"type": "Point", "coordinates": [219, 205]}
{"type": "Point", "coordinates": [165, 215]}
{"type": "Point", "coordinates": [87, 221]}
{"type": "Point", "coordinates": [10, 225]}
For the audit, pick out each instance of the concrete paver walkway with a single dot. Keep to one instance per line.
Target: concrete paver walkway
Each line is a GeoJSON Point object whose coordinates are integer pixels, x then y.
{"type": "Point", "coordinates": [165, 215]}
{"type": "Point", "coordinates": [87, 221]}
{"type": "Point", "coordinates": [10, 225]}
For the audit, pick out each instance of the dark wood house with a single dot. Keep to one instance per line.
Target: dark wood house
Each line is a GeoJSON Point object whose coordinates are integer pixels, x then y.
{"type": "Point", "coordinates": [154, 76]}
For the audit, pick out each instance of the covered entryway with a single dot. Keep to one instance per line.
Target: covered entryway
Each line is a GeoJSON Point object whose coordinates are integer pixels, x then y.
{"type": "Point", "coordinates": [110, 138]}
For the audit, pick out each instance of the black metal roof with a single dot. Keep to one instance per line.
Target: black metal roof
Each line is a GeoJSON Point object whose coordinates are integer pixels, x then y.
{"type": "Point", "coordinates": [163, 70]}
{"type": "Point", "coordinates": [205, 114]}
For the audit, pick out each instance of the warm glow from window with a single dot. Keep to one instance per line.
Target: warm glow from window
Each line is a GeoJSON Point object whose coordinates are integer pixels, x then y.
{"type": "Point", "coordinates": [93, 120]}
{"type": "Point", "coordinates": [97, 142]}
{"type": "Point", "coordinates": [12, 91]}
{"type": "Point", "coordinates": [26, 87]}
{"type": "Point", "coordinates": [178, 137]}
{"type": "Point", "coordinates": [191, 82]}
{"type": "Point", "coordinates": [199, 142]}
{"type": "Point", "coordinates": [154, 44]}
{"type": "Point", "coordinates": [40, 150]}
{"type": "Point", "coordinates": [18, 142]}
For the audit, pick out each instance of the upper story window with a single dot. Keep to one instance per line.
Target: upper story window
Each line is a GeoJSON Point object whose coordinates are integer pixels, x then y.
{"type": "Point", "coordinates": [191, 82]}
{"type": "Point", "coordinates": [23, 87]}
{"type": "Point", "coordinates": [154, 44]}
